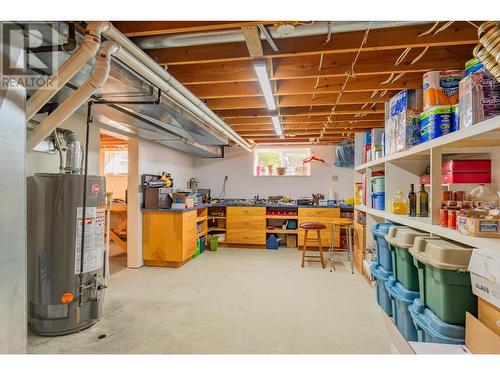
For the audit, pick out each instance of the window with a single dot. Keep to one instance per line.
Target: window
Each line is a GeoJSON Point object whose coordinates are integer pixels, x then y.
{"type": "Point", "coordinates": [281, 162]}
{"type": "Point", "coordinates": [115, 162]}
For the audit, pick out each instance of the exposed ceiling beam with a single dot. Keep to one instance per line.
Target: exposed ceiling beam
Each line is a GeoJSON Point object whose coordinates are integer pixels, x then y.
{"type": "Point", "coordinates": [252, 40]}
{"type": "Point", "coordinates": [144, 28]}
{"type": "Point", "coordinates": [369, 63]}
{"type": "Point", "coordinates": [302, 111]}
{"type": "Point", "coordinates": [300, 100]}
{"type": "Point", "coordinates": [459, 33]}
{"type": "Point", "coordinates": [326, 85]}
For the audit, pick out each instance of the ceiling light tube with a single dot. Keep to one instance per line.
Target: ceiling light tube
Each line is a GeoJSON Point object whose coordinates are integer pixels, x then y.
{"type": "Point", "coordinates": [277, 125]}
{"type": "Point", "coordinates": [265, 84]}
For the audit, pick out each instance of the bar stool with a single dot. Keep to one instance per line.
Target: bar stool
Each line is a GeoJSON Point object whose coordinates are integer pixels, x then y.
{"type": "Point", "coordinates": [343, 224]}
{"type": "Point", "coordinates": [318, 227]}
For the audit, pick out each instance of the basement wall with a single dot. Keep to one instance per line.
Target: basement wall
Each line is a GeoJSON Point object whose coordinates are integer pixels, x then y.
{"type": "Point", "coordinates": [238, 166]}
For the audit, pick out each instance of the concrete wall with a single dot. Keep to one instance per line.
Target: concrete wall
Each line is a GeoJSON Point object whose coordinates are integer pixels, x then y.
{"type": "Point", "coordinates": [238, 166]}
{"type": "Point", "coordinates": [13, 317]}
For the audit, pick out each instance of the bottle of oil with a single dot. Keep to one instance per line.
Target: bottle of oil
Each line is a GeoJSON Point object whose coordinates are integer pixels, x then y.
{"type": "Point", "coordinates": [399, 204]}
{"type": "Point", "coordinates": [412, 201]}
{"type": "Point", "coordinates": [423, 199]}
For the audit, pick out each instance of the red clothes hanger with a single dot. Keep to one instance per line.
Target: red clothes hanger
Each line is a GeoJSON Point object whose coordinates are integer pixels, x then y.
{"type": "Point", "coordinates": [312, 158]}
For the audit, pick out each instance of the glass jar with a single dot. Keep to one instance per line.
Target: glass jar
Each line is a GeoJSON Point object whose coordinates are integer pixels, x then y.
{"type": "Point", "coordinates": [399, 204]}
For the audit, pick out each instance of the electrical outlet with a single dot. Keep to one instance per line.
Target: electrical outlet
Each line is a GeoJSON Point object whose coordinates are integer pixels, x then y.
{"type": "Point", "coordinates": [335, 178]}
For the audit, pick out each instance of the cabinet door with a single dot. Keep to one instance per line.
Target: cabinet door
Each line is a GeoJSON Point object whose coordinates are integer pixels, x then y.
{"type": "Point", "coordinates": [319, 212]}
{"type": "Point", "coordinates": [244, 236]}
{"type": "Point", "coordinates": [325, 233]}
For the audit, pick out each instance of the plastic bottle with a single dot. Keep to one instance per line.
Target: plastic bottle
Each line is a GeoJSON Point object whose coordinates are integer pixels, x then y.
{"type": "Point", "coordinates": [399, 204]}
{"type": "Point", "coordinates": [484, 194]}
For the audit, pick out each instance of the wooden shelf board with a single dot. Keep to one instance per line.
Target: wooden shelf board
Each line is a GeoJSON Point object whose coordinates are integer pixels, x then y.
{"type": "Point", "coordinates": [203, 218]}
{"type": "Point", "coordinates": [281, 217]}
{"type": "Point", "coordinates": [202, 234]}
{"type": "Point", "coordinates": [215, 229]}
{"type": "Point", "coordinates": [423, 223]}
{"type": "Point", "coordinates": [216, 217]}
{"type": "Point", "coordinates": [483, 134]}
{"type": "Point", "coordinates": [282, 231]}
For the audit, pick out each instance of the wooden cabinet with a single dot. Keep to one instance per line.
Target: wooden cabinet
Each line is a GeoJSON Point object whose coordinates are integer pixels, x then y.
{"type": "Point", "coordinates": [246, 225]}
{"type": "Point", "coordinates": [169, 238]}
{"type": "Point", "coordinates": [359, 246]}
{"type": "Point", "coordinates": [320, 215]}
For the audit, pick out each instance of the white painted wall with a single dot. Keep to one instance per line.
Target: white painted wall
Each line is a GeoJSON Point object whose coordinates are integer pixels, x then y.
{"type": "Point", "coordinates": [238, 166]}
{"type": "Point", "coordinates": [155, 158]}
{"type": "Point", "coordinates": [38, 162]}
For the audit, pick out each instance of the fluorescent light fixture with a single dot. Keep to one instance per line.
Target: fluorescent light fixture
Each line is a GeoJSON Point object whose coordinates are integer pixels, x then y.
{"type": "Point", "coordinates": [277, 125]}
{"type": "Point", "coordinates": [265, 84]}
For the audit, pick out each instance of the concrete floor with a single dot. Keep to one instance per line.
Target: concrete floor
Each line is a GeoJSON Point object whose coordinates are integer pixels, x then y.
{"type": "Point", "coordinates": [232, 301]}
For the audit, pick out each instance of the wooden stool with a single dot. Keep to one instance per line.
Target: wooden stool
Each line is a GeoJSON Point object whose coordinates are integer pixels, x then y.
{"type": "Point", "coordinates": [307, 226]}
{"type": "Point", "coordinates": [342, 224]}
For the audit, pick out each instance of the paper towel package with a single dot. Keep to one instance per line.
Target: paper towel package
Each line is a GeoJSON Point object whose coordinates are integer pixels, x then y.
{"type": "Point", "coordinates": [479, 98]}
{"type": "Point", "coordinates": [401, 129]}
{"type": "Point", "coordinates": [441, 88]}
{"type": "Point", "coordinates": [435, 122]}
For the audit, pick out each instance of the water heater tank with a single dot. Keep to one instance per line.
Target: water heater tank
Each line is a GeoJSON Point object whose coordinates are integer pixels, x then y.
{"type": "Point", "coordinates": [55, 211]}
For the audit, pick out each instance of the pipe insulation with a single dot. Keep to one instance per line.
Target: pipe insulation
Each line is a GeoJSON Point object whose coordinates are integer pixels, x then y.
{"type": "Point", "coordinates": [143, 64]}
{"type": "Point", "coordinates": [69, 68]}
{"type": "Point", "coordinates": [95, 81]}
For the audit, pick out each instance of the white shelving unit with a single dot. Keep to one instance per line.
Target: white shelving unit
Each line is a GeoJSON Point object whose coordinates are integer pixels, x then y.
{"type": "Point", "coordinates": [404, 168]}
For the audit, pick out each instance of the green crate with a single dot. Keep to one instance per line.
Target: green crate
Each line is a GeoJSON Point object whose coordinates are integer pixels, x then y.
{"type": "Point", "coordinates": [400, 239]}
{"type": "Point", "coordinates": [444, 283]}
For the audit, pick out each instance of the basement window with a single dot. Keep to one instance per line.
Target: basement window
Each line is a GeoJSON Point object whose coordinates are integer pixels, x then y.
{"type": "Point", "coordinates": [116, 163]}
{"type": "Point", "coordinates": [281, 162]}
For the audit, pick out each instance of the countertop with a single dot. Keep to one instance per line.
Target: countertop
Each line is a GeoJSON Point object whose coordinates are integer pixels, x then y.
{"type": "Point", "coordinates": [231, 204]}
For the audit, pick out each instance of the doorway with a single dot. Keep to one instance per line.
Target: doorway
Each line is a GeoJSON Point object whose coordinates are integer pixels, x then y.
{"type": "Point", "coordinates": [113, 165]}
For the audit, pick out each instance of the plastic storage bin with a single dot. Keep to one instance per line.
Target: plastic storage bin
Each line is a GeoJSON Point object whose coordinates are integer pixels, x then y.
{"type": "Point", "coordinates": [381, 277]}
{"type": "Point", "coordinates": [379, 231]}
{"type": "Point", "coordinates": [399, 240]}
{"type": "Point", "coordinates": [214, 243]}
{"type": "Point", "coordinates": [378, 201]}
{"type": "Point", "coordinates": [444, 282]}
{"type": "Point", "coordinates": [401, 299]}
{"type": "Point", "coordinates": [431, 329]}
{"type": "Point", "coordinates": [378, 184]}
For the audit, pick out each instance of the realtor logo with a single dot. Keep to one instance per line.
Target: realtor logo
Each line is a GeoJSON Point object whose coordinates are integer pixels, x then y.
{"type": "Point", "coordinates": [20, 62]}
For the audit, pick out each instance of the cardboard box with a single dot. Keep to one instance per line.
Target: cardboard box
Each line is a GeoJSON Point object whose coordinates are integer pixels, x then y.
{"type": "Point", "coordinates": [476, 227]}
{"type": "Point", "coordinates": [479, 339]}
{"type": "Point", "coordinates": [182, 198]}
{"type": "Point", "coordinates": [484, 268]}
{"type": "Point", "coordinates": [489, 315]}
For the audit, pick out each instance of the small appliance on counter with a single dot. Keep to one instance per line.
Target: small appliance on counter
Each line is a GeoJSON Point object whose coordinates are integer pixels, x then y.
{"type": "Point", "coordinates": [157, 198]}
{"type": "Point", "coordinates": [192, 184]}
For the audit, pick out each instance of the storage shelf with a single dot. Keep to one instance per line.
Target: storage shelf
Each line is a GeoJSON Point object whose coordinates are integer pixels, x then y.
{"type": "Point", "coordinates": [281, 217]}
{"type": "Point", "coordinates": [203, 218]}
{"type": "Point", "coordinates": [216, 217]}
{"type": "Point", "coordinates": [216, 229]}
{"type": "Point", "coordinates": [483, 134]}
{"type": "Point", "coordinates": [202, 234]}
{"type": "Point", "coordinates": [423, 223]}
{"type": "Point", "coordinates": [282, 231]}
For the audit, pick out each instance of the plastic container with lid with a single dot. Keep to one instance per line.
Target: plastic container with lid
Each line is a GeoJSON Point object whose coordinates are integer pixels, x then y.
{"type": "Point", "coordinates": [381, 276]}
{"type": "Point", "coordinates": [444, 282]}
{"type": "Point", "coordinates": [401, 299]}
{"type": "Point", "coordinates": [378, 184]}
{"type": "Point", "coordinates": [432, 329]}
{"type": "Point", "coordinates": [378, 200]}
{"type": "Point", "coordinates": [483, 193]}
{"type": "Point", "coordinates": [399, 240]}
{"type": "Point", "coordinates": [379, 231]}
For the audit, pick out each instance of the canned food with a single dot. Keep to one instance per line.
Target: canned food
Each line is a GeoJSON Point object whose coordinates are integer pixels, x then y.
{"type": "Point", "coordinates": [446, 196]}
{"type": "Point", "coordinates": [443, 217]}
{"type": "Point", "coordinates": [459, 195]}
{"type": "Point", "coordinates": [452, 219]}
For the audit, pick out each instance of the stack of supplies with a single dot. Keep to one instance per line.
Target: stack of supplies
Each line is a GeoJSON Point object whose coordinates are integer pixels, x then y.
{"type": "Point", "coordinates": [402, 126]}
